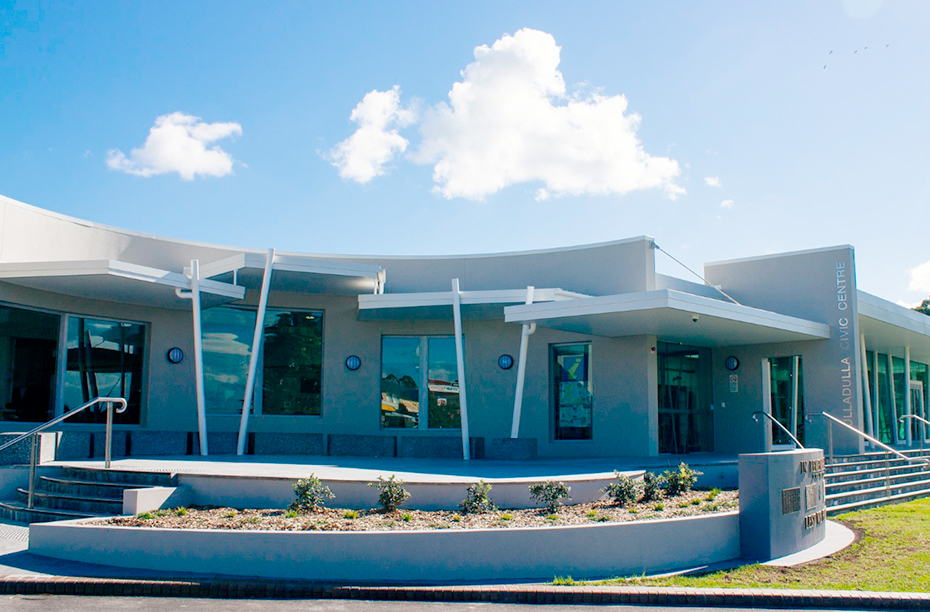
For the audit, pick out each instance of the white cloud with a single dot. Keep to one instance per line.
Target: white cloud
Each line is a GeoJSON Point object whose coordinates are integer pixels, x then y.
{"type": "Point", "coordinates": [179, 143]}
{"type": "Point", "coordinates": [727, 204]}
{"type": "Point", "coordinates": [362, 156]}
{"type": "Point", "coordinates": [509, 121]}
{"type": "Point", "coordinates": [920, 278]}
{"type": "Point", "coordinates": [712, 181]}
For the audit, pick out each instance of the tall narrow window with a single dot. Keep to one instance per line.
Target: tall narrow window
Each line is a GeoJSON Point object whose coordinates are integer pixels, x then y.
{"type": "Point", "coordinates": [28, 349]}
{"type": "Point", "coordinates": [685, 420]}
{"type": "Point", "coordinates": [787, 399]}
{"type": "Point", "coordinates": [573, 397]}
{"type": "Point", "coordinates": [418, 372]}
{"type": "Point", "coordinates": [104, 359]}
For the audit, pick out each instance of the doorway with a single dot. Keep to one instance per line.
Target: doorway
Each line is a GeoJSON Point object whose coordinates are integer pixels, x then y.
{"type": "Point", "coordinates": [783, 398]}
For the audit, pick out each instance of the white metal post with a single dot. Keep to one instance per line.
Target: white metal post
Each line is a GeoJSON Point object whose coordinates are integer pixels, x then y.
{"type": "Point", "coordinates": [908, 409]}
{"type": "Point", "coordinates": [528, 330]}
{"type": "Point", "coordinates": [460, 362]}
{"type": "Point", "coordinates": [869, 424]}
{"type": "Point", "coordinates": [198, 357]}
{"type": "Point", "coordinates": [256, 350]}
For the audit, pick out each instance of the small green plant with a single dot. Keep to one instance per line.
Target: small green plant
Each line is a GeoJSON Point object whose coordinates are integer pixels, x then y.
{"type": "Point", "coordinates": [290, 514]}
{"type": "Point", "coordinates": [684, 504]}
{"type": "Point", "coordinates": [696, 501]}
{"type": "Point", "coordinates": [230, 514]}
{"type": "Point", "coordinates": [659, 507]}
{"type": "Point", "coordinates": [506, 516]}
{"type": "Point", "coordinates": [252, 520]}
{"type": "Point", "coordinates": [180, 511]}
{"type": "Point", "coordinates": [550, 494]}
{"type": "Point", "coordinates": [311, 494]}
{"type": "Point", "coordinates": [457, 518]}
{"type": "Point", "coordinates": [392, 492]}
{"type": "Point", "coordinates": [622, 492]}
{"type": "Point", "coordinates": [592, 514]}
{"type": "Point", "coordinates": [633, 511]}
{"type": "Point", "coordinates": [712, 494]}
{"type": "Point", "coordinates": [350, 514]}
{"type": "Point", "coordinates": [652, 486]}
{"type": "Point", "coordinates": [680, 480]}
{"type": "Point", "coordinates": [146, 516]}
{"type": "Point", "coordinates": [712, 507]}
{"type": "Point", "coordinates": [477, 499]}
{"type": "Point", "coordinates": [406, 517]}
{"type": "Point", "coordinates": [602, 519]}
{"type": "Point", "coordinates": [564, 581]}
{"type": "Point", "coordinates": [552, 517]}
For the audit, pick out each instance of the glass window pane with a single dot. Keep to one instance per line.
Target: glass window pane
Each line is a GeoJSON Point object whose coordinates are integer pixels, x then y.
{"type": "Point", "coordinates": [28, 348]}
{"type": "Point", "coordinates": [685, 420]}
{"type": "Point", "coordinates": [227, 340]}
{"type": "Point", "coordinates": [105, 359]}
{"type": "Point", "coordinates": [782, 398]}
{"type": "Point", "coordinates": [573, 397]}
{"type": "Point", "coordinates": [293, 362]}
{"type": "Point", "coordinates": [400, 382]}
{"type": "Point", "coordinates": [444, 410]}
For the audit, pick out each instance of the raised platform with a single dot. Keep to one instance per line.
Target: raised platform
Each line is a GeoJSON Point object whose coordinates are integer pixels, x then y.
{"type": "Point", "coordinates": [267, 481]}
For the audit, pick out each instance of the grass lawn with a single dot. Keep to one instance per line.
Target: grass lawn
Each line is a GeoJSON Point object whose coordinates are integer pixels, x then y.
{"type": "Point", "coordinates": [892, 554]}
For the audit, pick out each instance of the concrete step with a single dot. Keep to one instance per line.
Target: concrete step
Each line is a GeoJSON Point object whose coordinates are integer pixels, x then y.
{"type": "Point", "coordinates": [848, 497]}
{"type": "Point", "coordinates": [102, 475]}
{"type": "Point", "coordinates": [871, 472]}
{"type": "Point", "coordinates": [68, 503]}
{"type": "Point", "coordinates": [16, 511]}
{"type": "Point", "coordinates": [876, 480]}
{"type": "Point", "coordinates": [83, 488]}
{"type": "Point", "coordinates": [876, 456]}
{"type": "Point", "coordinates": [875, 502]}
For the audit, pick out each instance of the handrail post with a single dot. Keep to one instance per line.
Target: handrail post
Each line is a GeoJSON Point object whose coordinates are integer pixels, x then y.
{"type": "Point", "coordinates": [109, 436]}
{"type": "Point", "coordinates": [830, 440]}
{"type": "Point", "coordinates": [33, 459]}
{"type": "Point", "coordinates": [888, 477]}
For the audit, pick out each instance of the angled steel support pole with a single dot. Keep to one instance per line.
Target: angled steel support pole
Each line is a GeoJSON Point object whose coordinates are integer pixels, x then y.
{"type": "Point", "coordinates": [867, 404]}
{"type": "Point", "coordinates": [256, 350]}
{"type": "Point", "coordinates": [528, 330]}
{"type": "Point", "coordinates": [194, 296]}
{"type": "Point", "coordinates": [460, 362]}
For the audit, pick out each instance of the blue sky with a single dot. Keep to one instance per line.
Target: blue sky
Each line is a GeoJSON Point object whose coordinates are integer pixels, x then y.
{"type": "Point", "coordinates": [745, 143]}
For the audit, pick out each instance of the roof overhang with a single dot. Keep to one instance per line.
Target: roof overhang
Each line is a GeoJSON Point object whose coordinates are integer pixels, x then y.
{"type": "Point", "coordinates": [438, 305]}
{"type": "Point", "coordinates": [115, 281]}
{"type": "Point", "coordinates": [889, 328]}
{"type": "Point", "coordinates": [671, 315]}
{"type": "Point", "coordinates": [293, 273]}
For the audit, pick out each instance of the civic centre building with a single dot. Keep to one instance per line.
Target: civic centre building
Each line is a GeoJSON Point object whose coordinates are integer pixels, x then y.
{"type": "Point", "coordinates": [573, 352]}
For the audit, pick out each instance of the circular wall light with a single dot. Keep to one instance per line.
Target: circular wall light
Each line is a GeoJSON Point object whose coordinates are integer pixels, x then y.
{"type": "Point", "coordinates": [353, 362]}
{"type": "Point", "coordinates": [505, 362]}
{"type": "Point", "coordinates": [732, 363]}
{"type": "Point", "coordinates": [175, 355]}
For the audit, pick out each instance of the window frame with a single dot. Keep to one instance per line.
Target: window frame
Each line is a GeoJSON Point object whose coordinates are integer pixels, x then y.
{"type": "Point", "coordinates": [553, 391]}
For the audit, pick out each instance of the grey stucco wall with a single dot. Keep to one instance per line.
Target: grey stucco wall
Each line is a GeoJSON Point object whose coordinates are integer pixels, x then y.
{"type": "Point", "coordinates": [818, 285]}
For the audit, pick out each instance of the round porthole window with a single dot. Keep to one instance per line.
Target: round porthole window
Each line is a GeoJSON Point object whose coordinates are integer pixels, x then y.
{"type": "Point", "coordinates": [353, 362]}
{"type": "Point", "coordinates": [732, 363]}
{"type": "Point", "coordinates": [505, 362]}
{"type": "Point", "coordinates": [175, 355]}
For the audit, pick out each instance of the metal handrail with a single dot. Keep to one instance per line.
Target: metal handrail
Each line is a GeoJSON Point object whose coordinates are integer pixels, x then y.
{"type": "Point", "coordinates": [866, 436]}
{"type": "Point", "coordinates": [34, 433]}
{"type": "Point", "coordinates": [755, 417]}
{"type": "Point", "coordinates": [922, 420]}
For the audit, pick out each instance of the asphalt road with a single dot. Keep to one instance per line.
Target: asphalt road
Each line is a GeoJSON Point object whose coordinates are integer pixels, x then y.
{"type": "Point", "coordinates": [64, 603]}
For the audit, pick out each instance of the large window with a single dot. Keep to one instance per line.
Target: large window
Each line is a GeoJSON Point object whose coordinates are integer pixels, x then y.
{"type": "Point", "coordinates": [419, 371]}
{"type": "Point", "coordinates": [685, 420]}
{"type": "Point", "coordinates": [290, 371]}
{"type": "Point", "coordinates": [28, 349]}
{"type": "Point", "coordinates": [104, 359]}
{"type": "Point", "coordinates": [573, 398]}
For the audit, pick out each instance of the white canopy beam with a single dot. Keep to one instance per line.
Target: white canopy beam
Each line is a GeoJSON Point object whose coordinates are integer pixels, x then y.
{"type": "Point", "coordinates": [256, 350]}
{"type": "Point", "coordinates": [460, 362]}
{"type": "Point", "coordinates": [528, 330]}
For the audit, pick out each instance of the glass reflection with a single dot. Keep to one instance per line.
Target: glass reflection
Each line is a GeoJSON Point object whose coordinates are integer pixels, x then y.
{"type": "Point", "coordinates": [28, 347]}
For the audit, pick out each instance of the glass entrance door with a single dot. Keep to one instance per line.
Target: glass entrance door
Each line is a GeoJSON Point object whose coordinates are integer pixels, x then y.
{"type": "Point", "coordinates": [784, 398]}
{"type": "Point", "coordinates": [918, 428]}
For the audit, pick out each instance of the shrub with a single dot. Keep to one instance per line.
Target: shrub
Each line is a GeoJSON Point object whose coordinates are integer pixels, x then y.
{"type": "Point", "coordinates": [659, 507]}
{"type": "Point", "coordinates": [506, 516]}
{"type": "Point", "coordinates": [478, 500]}
{"type": "Point", "coordinates": [311, 495]}
{"type": "Point", "coordinates": [290, 514]}
{"type": "Point", "coordinates": [652, 486]}
{"type": "Point", "coordinates": [712, 494]}
{"type": "Point", "coordinates": [181, 511]}
{"type": "Point", "coordinates": [457, 518]}
{"type": "Point", "coordinates": [550, 494]}
{"type": "Point", "coordinates": [230, 514]}
{"type": "Point", "coordinates": [680, 480]}
{"type": "Point", "coordinates": [406, 517]}
{"type": "Point", "coordinates": [622, 492]}
{"type": "Point", "coordinates": [592, 514]}
{"type": "Point", "coordinates": [392, 492]}
{"type": "Point", "coordinates": [350, 514]}
{"type": "Point", "coordinates": [552, 517]}
{"type": "Point", "coordinates": [145, 516]}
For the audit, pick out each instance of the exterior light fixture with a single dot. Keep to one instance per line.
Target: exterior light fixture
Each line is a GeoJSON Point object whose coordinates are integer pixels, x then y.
{"type": "Point", "coordinates": [505, 362]}
{"type": "Point", "coordinates": [353, 362]}
{"type": "Point", "coordinates": [732, 363]}
{"type": "Point", "coordinates": [174, 355]}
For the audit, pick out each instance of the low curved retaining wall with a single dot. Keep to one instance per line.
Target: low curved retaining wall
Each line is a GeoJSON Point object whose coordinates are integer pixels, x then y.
{"type": "Point", "coordinates": [514, 554]}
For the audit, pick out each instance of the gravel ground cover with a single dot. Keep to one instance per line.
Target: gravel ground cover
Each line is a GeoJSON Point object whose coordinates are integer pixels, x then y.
{"type": "Point", "coordinates": [692, 503]}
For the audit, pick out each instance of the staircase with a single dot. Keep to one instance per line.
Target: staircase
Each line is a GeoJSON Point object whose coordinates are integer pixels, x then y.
{"type": "Point", "coordinates": [79, 493]}
{"type": "Point", "coordinates": [856, 482]}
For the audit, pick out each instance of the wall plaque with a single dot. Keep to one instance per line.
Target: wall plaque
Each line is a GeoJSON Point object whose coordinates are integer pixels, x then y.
{"type": "Point", "coordinates": [791, 500]}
